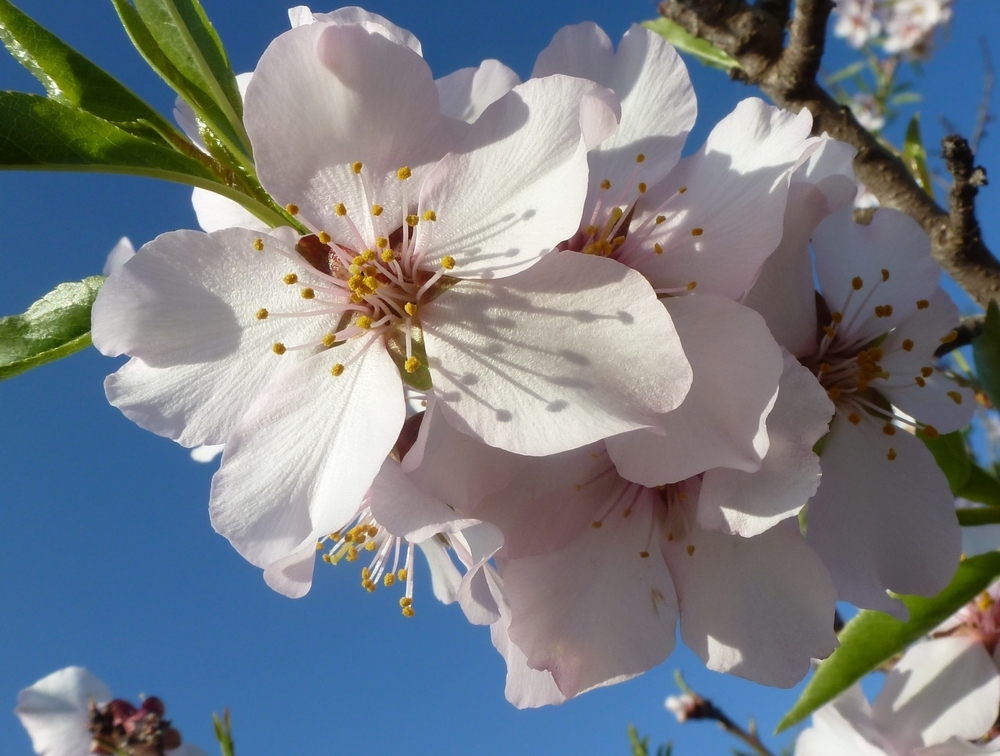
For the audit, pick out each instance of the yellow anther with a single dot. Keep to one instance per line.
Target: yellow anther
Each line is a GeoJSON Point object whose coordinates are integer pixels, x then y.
{"type": "Point", "coordinates": [405, 602]}
{"type": "Point", "coordinates": [371, 282]}
{"type": "Point", "coordinates": [411, 365]}
{"type": "Point", "coordinates": [356, 281]}
{"type": "Point", "coordinates": [658, 248]}
{"type": "Point", "coordinates": [401, 574]}
{"type": "Point", "coordinates": [682, 190]}
{"type": "Point", "coordinates": [920, 381]}
{"type": "Point", "coordinates": [828, 330]}
{"type": "Point", "coordinates": [447, 262]}
{"type": "Point", "coordinates": [854, 418]}
{"type": "Point", "coordinates": [923, 304]}
{"type": "Point", "coordinates": [697, 231]}
{"type": "Point", "coordinates": [875, 353]}
{"type": "Point", "coordinates": [879, 311]}
{"type": "Point", "coordinates": [408, 611]}
{"type": "Point", "coordinates": [308, 293]}
{"type": "Point", "coordinates": [329, 340]}
{"type": "Point", "coordinates": [660, 219]}
{"type": "Point", "coordinates": [388, 580]}
{"type": "Point", "coordinates": [340, 209]}
{"type": "Point", "coordinates": [319, 545]}
{"type": "Point", "coordinates": [352, 554]}
{"type": "Point", "coordinates": [885, 274]}
{"type": "Point", "coordinates": [404, 173]}
{"type": "Point", "coordinates": [356, 167]}
{"type": "Point", "coordinates": [597, 524]}
{"type": "Point", "coordinates": [292, 209]}
{"type": "Point", "coordinates": [324, 237]}
{"type": "Point", "coordinates": [616, 214]}
{"type": "Point", "coordinates": [642, 187]}
{"type": "Point", "coordinates": [825, 367]}
{"type": "Point", "coordinates": [690, 549]}
{"type": "Point", "coordinates": [627, 512]}
{"type": "Point", "coordinates": [357, 262]}
{"type": "Point", "coordinates": [857, 283]}
{"type": "Point", "coordinates": [837, 317]}
{"type": "Point", "coordinates": [618, 240]}
{"type": "Point", "coordinates": [335, 536]}
{"type": "Point", "coordinates": [258, 244]}
{"type": "Point", "coordinates": [605, 184]}
{"type": "Point", "coordinates": [640, 158]}
{"type": "Point", "coordinates": [290, 278]}
{"type": "Point", "coordinates": [930, 431]}
{"type": "Point", "coordinates": [388, 255]}
{"type": "Point", "coordinates": [670, 536]}
{"type": "Point", "coordinates": [891, 455]}
{"type": "Point", "coordinates": [926, 372]}
{"type": "Point", "coordinates": [955, 397]}
{"type": "Point", "coordinates": [889, 429]}
{"type": "Point", "coordinates": [577, 486]}
{"type": "Point", "coordinates": [412, 220]}
{"type": "Point", "coordinates": [591, 230]}
{"type": "Point", "coordinates": [692, 285]}
{"type": "Point", "coordinates": [373, 530]}
{"type": "Point", "coordinates": [644, 554]}
{"type": "Point", "coordinates": [365, 573]}
{"type": "Point", "coordinates": [371, 546]}
{"type": "Point", "coordinates": [262, 314]}
{"type": "Point", "coordinates": [949, 337]}
{"type": "Point", "coordinates": [430, 215]}
{"type": "Point", "coordinates": [364, 322]}
{"type": "Point", "coordinates": [326, 558]}
{"type": "Point", "coordinates": [410, 309]}
{"type": "Point", "coordinates": [907, 345]}
{"type": "Point", "coordinates": [833, 393]}
{"type": "Point", "coordinates": [377, 210]}
{"type": "Point", "coordinates": [278, 348]}
{"type": "Point", "coordinates": [381, 242]}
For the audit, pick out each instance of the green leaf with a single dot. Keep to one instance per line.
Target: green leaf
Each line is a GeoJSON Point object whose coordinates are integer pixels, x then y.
{"type": "Point", "coordinates": [55, 326]}
{"type": "Point", "coordinates": [972, 516]}
{"type": "Point", "coordinates": [71, 79]}
{"type": "Point", "coordinates": [177, 40]}
{"type": "Point", "coordinates": [846, 73]}
{"type": "Point", "coordinates": [640, 746]}
{"type": "Point", "coordinates": [700, 49]}
{"type": "Point", "coordinates": [982, 487]}
{"type": "Point", "coordinates": [915, 156]}
{"type": "Point", "coordinates": [906, 98]}
{"type": "Point", "coordinates": [986, 351]}
{"type": "Point", "coordinates": [952, 457]}
{"type": "Point", "coordinates": [871, 637]}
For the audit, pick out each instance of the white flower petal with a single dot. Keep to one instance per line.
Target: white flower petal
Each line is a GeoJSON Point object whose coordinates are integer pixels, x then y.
{"type": "Point", "coordinates": [720, 423]}
{"type": "Point", "coordinates": [123, 252]}
{"type": "Point", "coordinates": [570, 351]}
{"type": "Point", "coordinates": [748, 503]}
{"type": "Point", "coordinates": [300, 15]}
{"type": "Point", "coordinates": [215, 212]}
{"type": "Point", "coordinates": [466, 93]}
{"type": "Point", "coordinates": [55, 713]}
{"type": "Point", "coordinates": [516, 186]}
{"type": "Point", "coordinates": [841, 728]}
{"type": "Point", "coordinates": [305, 453]}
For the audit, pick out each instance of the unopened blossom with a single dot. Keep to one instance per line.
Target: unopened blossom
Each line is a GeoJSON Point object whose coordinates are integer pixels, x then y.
{"type": "Point", "coordinates": [857, 21]}
{"type": "Point", "coordinates": [883, 517]}
{"type": "Point", "coordinates": [698, 229]}
{"type": "Point", "coordinates": [71, 713]}
{"type": "Point", "coordinates": [427, 263]}
{"type": "Point", "coordinates": [681, 706]}
{"type": "Point", "coordinates": [938, 700]}
{"type": "Point", "coordinates": [910, 24]}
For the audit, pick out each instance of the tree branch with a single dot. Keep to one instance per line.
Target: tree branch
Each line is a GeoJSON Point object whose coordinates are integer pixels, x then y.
{"type": "Point", "coordinates": [787, 74]}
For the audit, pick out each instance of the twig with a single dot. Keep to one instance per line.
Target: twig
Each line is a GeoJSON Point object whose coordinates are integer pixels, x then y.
{"type": "Point", "coordinates": [702, 708]}
{"type": "Point", "coordinates": [788, 76]}
{"type": "Point", "coordinates": [983, 116]}
{"type": "Point", "coordinates": [968, 329]}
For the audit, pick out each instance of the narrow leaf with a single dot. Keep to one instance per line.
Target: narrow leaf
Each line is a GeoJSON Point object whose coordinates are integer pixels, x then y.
{"type": "Point", "coordinates": [846, 73]}
{"type": "Point", "coordinates": [981, 487]}
{"type": "Point", "coordinates": [700, 49]}
{"type": "Point", "coordinates": [952, 457]}
{"type": "Point", "coordinates": [873, 637]}
{"type": "Point", "coordinates": [915, 156]}
{"type": "Point", "coordinates": [72, 79]}
{"type": "Point", "coordinates": [972, 516]}
{"type": "Point", "coordinates": [986, 351]}
{"type": "Point", "coordinates": [55, 326]}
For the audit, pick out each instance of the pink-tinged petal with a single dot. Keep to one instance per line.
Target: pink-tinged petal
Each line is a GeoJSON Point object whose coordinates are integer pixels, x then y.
{"type": "Point", "coordinates": [729, 217]}
{"type": "Point", "coordinates": [291, 472]}
{"type": "Point", "coordinates": [940, 689]}
{"type": "Point", "coordinates": [842, 727]}
{"type": "Point", "coordinates": [891, 258]}
{"type": "Point", "coordinates": [652, 82]}
{"type": "Point", "coordinates": [55, 713]}
{"type": "Point", "coordinates": [882, 524]}
{"type": "Point", "coordinates": [406, 511]}
{"type": "Point", "coordinates": [516, 186]}
{"type": "Point", "coordinates": [939, 401]}
{"type": "Point", "coordinates": [720, 423]}
{"type": "Point", "coordinates": [215, 212]}
{"type": "Point", "coordinates": [445, 577]}
{"type": "Point", "coordinates": [466, 93]}
{"type": "Point", "coordinates": [759, 607]}
{"type": "Point", "coordinates": [185, 308]}
{"type": "Point", "coordinates": [292, 575]}
{"type": "Point", "coordinates": [123, 252]}
{"type": "Point", "coordinates": [784, 292]}
{"type": "Point", "coordinates": [475, 546]}
{"type": "Point", "coordinates": [595, 612]}
{"type": "Point", "coordinates": [958, 747]}
{"type": "Point", "coordinates": [574, 349]}
{"type": "Point", "coordinates": [300, 15]}
{"type": "Point", "coordinates": [325, 96]}
{"type": "Point", "coordinates": [746, 504]}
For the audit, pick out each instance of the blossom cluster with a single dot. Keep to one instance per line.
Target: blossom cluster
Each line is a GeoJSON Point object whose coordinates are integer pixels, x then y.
{"type": "Point", "coordinates": [589, 378]}
{"type": "Point", "coordinates": [900, 26]}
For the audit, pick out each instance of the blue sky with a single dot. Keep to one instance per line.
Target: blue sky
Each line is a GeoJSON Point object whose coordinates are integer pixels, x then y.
{"type": "Point", "coordinates": [106, 553]}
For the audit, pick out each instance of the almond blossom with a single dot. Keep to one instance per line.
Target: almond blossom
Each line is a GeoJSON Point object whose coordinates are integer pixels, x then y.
{"type": "Point", "coordinates": [427, 264]}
